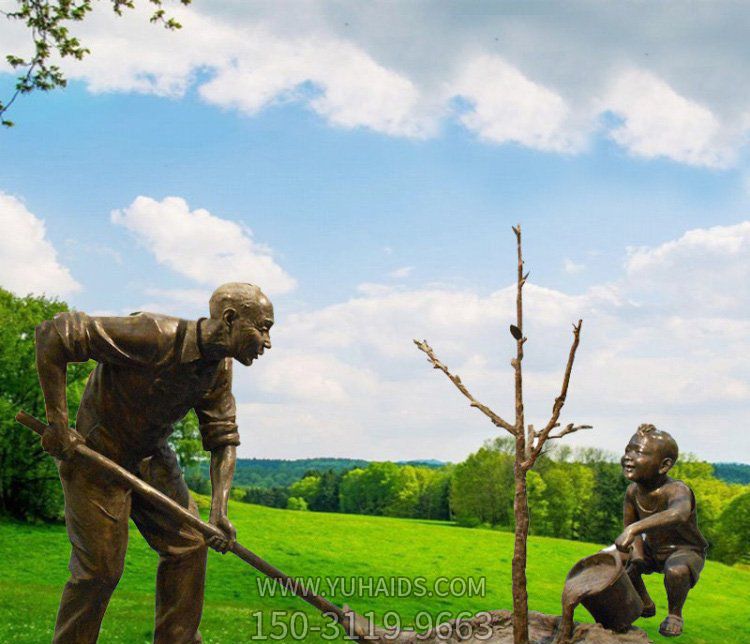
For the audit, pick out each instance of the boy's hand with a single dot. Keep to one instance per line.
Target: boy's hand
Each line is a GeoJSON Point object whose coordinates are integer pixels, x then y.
{"type": "Point", "coordinates": [626, 539]}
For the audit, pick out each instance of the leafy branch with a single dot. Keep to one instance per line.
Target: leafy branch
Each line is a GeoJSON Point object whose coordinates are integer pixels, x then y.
{"type": "Point", "coordinates": [47, 21]}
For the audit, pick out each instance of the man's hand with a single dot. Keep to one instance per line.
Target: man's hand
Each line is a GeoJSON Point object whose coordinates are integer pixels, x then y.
{"type": "Point", "coordinates": [225, 525]}
{"type": "Point", "coordinates": [59, 440]}
{"type": "Point", "coordinates": [626, 539]}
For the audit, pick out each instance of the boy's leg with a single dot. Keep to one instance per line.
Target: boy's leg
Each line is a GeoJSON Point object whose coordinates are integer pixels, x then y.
{"type": "Point", "coordinates": [649, 608]}
{"type": "Point", "coordinates": [640, 563]}
{"type": "Point", "coordinates": [182, 552]}
{"type": "Point", "coordinates": [681, 571]}
{"type": "Point", "coordinates": [96, 516]}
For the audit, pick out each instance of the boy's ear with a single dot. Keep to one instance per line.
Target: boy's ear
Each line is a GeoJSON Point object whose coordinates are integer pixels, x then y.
{"type": "Point", "coordinates": [666, 465]}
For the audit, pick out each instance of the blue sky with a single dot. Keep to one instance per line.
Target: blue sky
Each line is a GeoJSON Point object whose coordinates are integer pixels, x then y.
{"type": "Point", "coordinates": [365, 172]}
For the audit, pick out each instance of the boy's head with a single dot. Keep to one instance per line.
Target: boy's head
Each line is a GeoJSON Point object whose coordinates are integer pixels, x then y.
{"type": "Point", "coordinates": [651, 453]}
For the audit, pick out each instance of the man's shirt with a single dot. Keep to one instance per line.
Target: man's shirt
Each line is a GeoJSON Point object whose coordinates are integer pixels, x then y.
{"type": "Point", "coordinates": [150, 374]}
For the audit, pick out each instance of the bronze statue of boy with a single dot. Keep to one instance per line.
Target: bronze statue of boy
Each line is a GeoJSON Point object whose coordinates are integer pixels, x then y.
{"type": "Point", "coordinates": [661, 531]}
{"type": "Point", "coordinates": [152, 370]}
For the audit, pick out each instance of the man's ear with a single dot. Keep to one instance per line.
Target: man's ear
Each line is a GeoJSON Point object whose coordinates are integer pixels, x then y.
{"type": "Point", "coordinates": [228, 317]}
{"type": "Point", "coordinates": [666, 465]}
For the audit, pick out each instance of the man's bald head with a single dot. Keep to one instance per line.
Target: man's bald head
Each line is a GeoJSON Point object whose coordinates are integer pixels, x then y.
{"type": "Point", "coordinates": [240, 324]}
{"type": "Point", "coordinates": [246, 299]}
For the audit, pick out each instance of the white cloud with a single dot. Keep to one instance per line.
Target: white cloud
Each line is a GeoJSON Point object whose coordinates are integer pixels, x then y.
{"type": "Point", "coordinates": [508, 107]}
{"type": "Point", "coordinates": [658, 122]}
{"type": "Point", "coordinates": [28, 260]}
{"type": "Point", "coordinates": [572, 267]}
{"type": "Point", "coordinates": [352, 370]}
{"type": "Point", "coordinates": [349, 89]}
{"type": "Point", "coordinates": [318, 377]}
{"type": "Point", "coordinates": [540, 80]}
{"type": "Point", "coordinates": [346, 379]}
{"type": "Point", "coordinates": [180, 302]}
{"type": "Point", "coordinates": [205, 248]}
{"type": "Point", "coordinates": [401, 273]}
{"type": "Point", "coordinates": [705, 272]}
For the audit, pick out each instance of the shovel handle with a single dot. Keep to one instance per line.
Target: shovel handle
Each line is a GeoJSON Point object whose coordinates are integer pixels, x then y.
{"type": "Point", "coordinates": [34, 424]}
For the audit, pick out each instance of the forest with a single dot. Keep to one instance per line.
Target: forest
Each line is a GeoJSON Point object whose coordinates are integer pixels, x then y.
{"type": "Point", "coordinates": [573, 494]}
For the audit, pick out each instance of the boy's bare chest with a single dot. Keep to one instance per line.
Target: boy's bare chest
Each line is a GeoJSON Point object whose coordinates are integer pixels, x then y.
{"type": "Point", "coordinates": [650, 502]}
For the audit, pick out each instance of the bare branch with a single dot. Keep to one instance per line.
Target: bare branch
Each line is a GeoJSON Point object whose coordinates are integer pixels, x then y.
{"type": "Point", "coordinates": [456, 380]}
{"type": "Point", "coordinates": [569, 429]}
{"type": "Point", "coordinates": [560, 400]}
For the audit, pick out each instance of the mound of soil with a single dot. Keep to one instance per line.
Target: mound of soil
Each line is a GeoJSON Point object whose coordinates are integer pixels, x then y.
{"type": "Point", "coordinates": [496, 627]}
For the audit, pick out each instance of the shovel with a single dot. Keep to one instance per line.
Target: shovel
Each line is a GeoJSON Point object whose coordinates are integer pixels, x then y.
{"type": "Point", "coordinates": [355, 626]}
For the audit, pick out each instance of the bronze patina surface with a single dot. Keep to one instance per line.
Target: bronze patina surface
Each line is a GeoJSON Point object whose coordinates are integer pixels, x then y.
{"type": "Point", "coordinates": [152, 370]}
{"type": "Point", "coordinates": [661, 530]}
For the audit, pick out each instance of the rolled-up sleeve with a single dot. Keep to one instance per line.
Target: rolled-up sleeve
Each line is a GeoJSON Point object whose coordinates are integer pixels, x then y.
{"type": "Point", "coordinates": [217, 412]}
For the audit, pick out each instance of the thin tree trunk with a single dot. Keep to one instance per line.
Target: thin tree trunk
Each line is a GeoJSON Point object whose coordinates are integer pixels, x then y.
{"type": "Point", "coordinates": [520, 501]}
{"type": "Point", "coordinates": [520, 595]}
{"type": "Point", "coordinates": [529, 443]}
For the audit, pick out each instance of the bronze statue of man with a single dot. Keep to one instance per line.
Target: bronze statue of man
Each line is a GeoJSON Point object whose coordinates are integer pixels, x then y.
{"type": "Point", "coordinates": [152, 370]}
{"type": "Point", "coordinates": [660, 527]}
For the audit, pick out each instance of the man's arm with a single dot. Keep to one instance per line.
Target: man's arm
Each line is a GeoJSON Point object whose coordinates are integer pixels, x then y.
{"type": "Point", "coordinates": [222, 471]}
{"type": "Point", "coordinates": [217, 419]}
{"type": "Point", "coordinates": [678, 510]}
{"type": "Point", "coordinates": [51, 363]}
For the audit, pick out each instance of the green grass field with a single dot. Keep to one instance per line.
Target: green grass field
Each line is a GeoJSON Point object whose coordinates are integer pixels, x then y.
{"type": "Point", "coordinates": [34, 569]}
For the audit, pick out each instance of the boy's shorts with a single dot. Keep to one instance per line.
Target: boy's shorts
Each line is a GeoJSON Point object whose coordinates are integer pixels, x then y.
{"type": "Point", "coordinates": [682, 556]}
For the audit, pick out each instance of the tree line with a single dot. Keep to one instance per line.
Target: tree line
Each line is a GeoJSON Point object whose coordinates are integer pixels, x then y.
{"type": "Point", "coordinates": [573, 494]}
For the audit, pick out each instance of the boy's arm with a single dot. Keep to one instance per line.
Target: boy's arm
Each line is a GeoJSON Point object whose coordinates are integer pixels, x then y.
{"type": "Point", "coordinates": [678, 510]}
{"type": "Point", "coordinates": [629, 517]}
{"type": "Point", "coordinates": [629, 511]}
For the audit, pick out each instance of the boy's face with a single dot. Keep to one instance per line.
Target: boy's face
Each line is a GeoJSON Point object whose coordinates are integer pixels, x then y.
{"type": "Point", "coordinates": [643, 459]}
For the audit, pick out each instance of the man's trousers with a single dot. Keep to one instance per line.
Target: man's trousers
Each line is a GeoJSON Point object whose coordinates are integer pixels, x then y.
{"type": "Point", "coordinates": [96, 515]}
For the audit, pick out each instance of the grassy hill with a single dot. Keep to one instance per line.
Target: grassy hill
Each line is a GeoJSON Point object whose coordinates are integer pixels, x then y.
{"type": "Point", "coordinates": [34, 560]}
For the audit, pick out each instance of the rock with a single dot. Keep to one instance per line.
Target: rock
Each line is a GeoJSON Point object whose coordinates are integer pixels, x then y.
{"type": "Point", "coordinates": [496, 627]}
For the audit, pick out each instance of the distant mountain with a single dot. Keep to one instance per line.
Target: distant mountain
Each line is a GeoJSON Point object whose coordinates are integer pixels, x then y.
{"type": "Point", "coordinates": [732, 472]}
{"type": "Point", "coordinates": [427, 462]}
{"type": "Point", "coordinates": [267, 473]}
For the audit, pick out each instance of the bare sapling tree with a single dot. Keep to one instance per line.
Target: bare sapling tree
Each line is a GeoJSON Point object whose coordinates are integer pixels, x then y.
{"type": "Point", "coordinates": [529, 442]}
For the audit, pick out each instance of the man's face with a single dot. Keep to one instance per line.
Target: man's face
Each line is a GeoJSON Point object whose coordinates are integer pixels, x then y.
{"type": "Point", "coordinates": [643, 460]}
{"type": "Point", "coordinates": [250, 336]}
